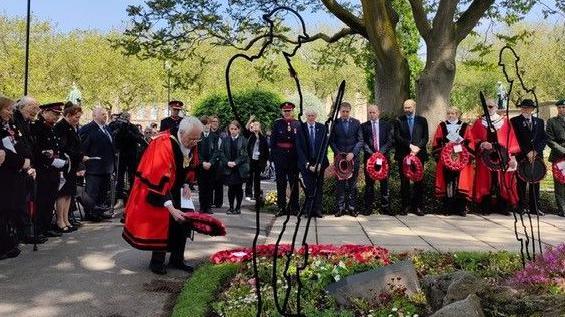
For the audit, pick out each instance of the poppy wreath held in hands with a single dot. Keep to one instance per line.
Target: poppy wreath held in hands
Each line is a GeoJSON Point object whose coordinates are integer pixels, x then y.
{"type": "Point", "coordinates": [558, 173]}
{"type": "Point", "coordinates": [413, 168]}
{"type": "Point", "coordinates": [205, 224]}
{"type": "Point", "coordinates": [454, 161]}
{"type": "Point", "coordinates": [376, 171]}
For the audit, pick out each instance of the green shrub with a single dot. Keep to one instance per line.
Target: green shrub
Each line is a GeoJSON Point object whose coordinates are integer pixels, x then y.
{"type": "Point", "coordinates": [201, 289]}
{"type": "Point", "coordinates": [261, 103]}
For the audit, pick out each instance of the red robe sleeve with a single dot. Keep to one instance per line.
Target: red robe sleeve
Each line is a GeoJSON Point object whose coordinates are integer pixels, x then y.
{"type": "Point", "coordinates": [156, 169]}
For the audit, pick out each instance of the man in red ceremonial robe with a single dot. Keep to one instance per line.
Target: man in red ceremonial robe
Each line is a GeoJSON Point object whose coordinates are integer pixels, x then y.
{"type": "Point", "coordinates": [153, 218]}
{"type": "Point", "coordinates": [455, 188]}
{"type": "Point", "coordinates": [499, 186]}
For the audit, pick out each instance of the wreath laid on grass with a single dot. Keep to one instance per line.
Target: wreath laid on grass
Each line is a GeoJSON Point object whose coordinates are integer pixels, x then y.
{"type": "Point", "coordinates": [455, 161]}
{"type": "Point", "coordinates": [376, 171]}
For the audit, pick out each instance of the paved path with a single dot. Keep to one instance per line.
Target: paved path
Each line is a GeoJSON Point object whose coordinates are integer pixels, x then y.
{"type": "Point", "coordinates": [93, 272]}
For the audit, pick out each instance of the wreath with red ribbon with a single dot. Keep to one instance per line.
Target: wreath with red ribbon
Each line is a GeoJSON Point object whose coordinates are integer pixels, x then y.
{"type": "Point", "coordinates": [559, 174]}
{"type": "Point", "coordinates": [454, 161]}
{"type": "Point", "coordinates": [205, 224]}
{"type": "Point", "coordinates": [378, 172]}
{"type": "Point", "coordinates": [413, 168]}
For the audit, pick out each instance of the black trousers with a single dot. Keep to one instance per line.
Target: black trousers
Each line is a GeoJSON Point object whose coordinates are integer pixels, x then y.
{"type": "Point", "coordinates": [97, 187]}
{"type": "Point", "coordinates": [253, 183]}
{"type": "Point", "coordinates": [126, 165]}
{"type": "Point", "coordinates": [313, 201]}
{"type": "Point", "coordinates": [369, 195]}
{"type": "Point", "coordinates": [528, 195]}
{"type": "Point", "coordinates": [287, 173]}
{"type": "Point", "coordinates": [177, 243]}
{"type": "Point", "coordinates": [235, 195]}
{"type": "Point", "coordinates": [414, 200]}
{"type": "Point", "coordinates": [205, 188]}
{"type": "Point", "coordinates": [8, 238]}
{"type": "Point", "coordinates": [47, 188]}
{"type": "Point", "coordinates": [347, 189]}
{"type": "Point", "coordinates": [218, 189]}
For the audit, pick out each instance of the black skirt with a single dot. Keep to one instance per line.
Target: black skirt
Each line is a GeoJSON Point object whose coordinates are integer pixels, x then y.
{"type": "Point", "coordinates": [70, 186]}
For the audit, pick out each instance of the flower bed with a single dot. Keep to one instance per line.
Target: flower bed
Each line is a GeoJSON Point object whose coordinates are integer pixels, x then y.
{"type": "Point", "coordinates": [508, 289]}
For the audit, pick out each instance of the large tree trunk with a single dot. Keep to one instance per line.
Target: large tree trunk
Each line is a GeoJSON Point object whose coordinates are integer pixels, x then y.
{"type": "Point", "coordinates": [392, 85]}
{"type": "Point", "coordinates": [435, 83]}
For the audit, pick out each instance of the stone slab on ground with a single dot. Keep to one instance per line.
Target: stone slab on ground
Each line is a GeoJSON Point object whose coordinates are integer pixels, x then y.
{"type": "Point", "coordinates": [370, 284]}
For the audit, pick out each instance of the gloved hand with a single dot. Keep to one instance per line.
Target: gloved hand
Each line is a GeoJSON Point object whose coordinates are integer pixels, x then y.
{"type": "Point", "coordinates": [58, 163]}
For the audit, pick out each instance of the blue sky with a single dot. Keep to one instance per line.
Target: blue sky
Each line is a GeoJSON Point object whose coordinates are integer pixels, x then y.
{"type": "Point", "coordinates": [105, 15]}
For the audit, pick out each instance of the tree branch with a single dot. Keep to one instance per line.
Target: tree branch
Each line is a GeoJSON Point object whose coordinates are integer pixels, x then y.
{"type": "Point", "coordinates": [471, 17]}
{"type": "Point", "coordinates": [420, 18]}
{"type": "Point", "coordinates": [346, 17]}
{"type": "Point", "coordinates": [444, 15]}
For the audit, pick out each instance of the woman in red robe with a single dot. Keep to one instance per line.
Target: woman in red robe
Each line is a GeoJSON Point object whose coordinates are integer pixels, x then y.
{"type": "Point", "coordinates": [495, 190]}
{"type": "Point", "coordinates": [153, 219]}
{"type": "Point", "coordinates": [454, 187]}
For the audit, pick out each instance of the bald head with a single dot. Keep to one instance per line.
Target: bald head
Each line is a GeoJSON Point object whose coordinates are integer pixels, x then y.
{"type": "Point", "coordinates": [409, 107]}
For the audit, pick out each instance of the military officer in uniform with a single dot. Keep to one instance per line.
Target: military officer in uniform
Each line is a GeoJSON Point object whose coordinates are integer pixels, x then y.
{"type": "Point", "coordinates": [283, 151]}
{"type": "Point", "coordinates": [174, 119]}
{"type": "Point", "coordinates": [48, 165]}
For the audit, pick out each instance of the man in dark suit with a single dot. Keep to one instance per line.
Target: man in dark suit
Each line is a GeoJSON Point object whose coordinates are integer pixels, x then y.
{"type": "Point", "coordinates": [97, 142]}
{"type": "Point", "coordinates": [347, 138]}
{"type": "Point", "coordinates": [208, 155]}
{"type": "Point", "coordinates": [530, 132]}
{"type": "Point", "coordinates": [309, 143]}
{"type": "Point", "coordinates": [174, 119]}
{"type": "Point", "coordinates": [411, 137]}
{"type": "Point", "coordinates": [377, 137]}
{"type": "Point", "coordinates": [556, 141]}
{"type": "Point", "coordinates": [216, 170]}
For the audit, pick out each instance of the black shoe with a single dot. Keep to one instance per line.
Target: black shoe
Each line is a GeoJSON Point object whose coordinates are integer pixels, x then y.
{"type": "Point", "coordinates": [387, 211]}
{"type": "Point", "coordinates": [181, 266]}
{"type": "Point", "coordinates": [207, 211]}
{"type": "Point", "coordinates": [561, 214]}
{"type": "Point", "coordinates": [230, 211]}
{"type": "Point", "coordinates": [58, 229]}
{"type": "Point", "coordinates": [340, 213]}
{"type": "Point", "coordinates": [75, 223]}
{"type": "Point", "coordinates": [158, 269]}
{"type": "Point", "coordinates": [72, 228]}
{"type": "Point", "coordinates": [237, 211]}
{"type": "Point", "coordinates": [52, 234]}
{"type": "Point", "coordinates": [40, 239]}
{"type": "Point", "coordinates": [218, 205]}
{"type": "Point", "coordinates": [11, 254]}
{"type": "Point", "coordinates": [418, 212]}
{"type": "Point", "coordinates": [353, 212]}
{"type": "Point", "coordinates": [106, 216]}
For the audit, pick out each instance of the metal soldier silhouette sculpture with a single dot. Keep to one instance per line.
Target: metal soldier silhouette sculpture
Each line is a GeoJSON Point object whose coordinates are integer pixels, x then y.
{"type": "Point", "coordinates": [283, 307]}
{"type": "Point", "coordinates": [529, 167]}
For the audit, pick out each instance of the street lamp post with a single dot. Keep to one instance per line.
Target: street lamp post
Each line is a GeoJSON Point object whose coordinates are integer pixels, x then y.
{"type": "Point", "coordinates": [168, 69]}
{"type": "Point", "coordinates": [26, 70]}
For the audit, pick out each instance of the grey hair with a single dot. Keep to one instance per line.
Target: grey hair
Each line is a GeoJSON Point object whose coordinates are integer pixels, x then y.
{"type": "Point", "coordinates": [372, 105]}
{"type": "Point", "coordinates": [311, 111]}
{"type": "Point", "coordinates": [98, 109]}
{"type": "Point", "coordinates": [26, 100]}
{"type": "Point", "coordinates": [189, 123]}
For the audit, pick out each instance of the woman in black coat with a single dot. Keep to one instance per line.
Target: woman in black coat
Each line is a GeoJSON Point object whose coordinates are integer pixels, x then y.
{"type": "Point", "coordinates": [235, 163]}
{"type": "Point", "coordinates": [258, 151]}
{"type": "Point", "coordinates": [70, 150]}
{"type": "Point", "coordinates": [12, 165]}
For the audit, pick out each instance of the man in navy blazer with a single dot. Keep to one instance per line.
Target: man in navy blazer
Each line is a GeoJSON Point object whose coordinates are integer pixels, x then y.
{"type": "Point", "coordinates": [411, 137]}
{"type": "Point", "coordinates": [97, 142]}
{"type": "Point", "coordinates": [346, 138]}
{"type": "Point", "coordinates": [377, 137]}
{"type": "Point", "coordinates": [530, 132]}
{"type": "Point", "coordinates": [309, 143]}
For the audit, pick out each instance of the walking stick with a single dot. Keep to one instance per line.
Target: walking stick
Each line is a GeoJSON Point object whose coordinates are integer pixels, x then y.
{"type": "Point", "coordinates": [114, 183]}
{"type": "Point", "coordinates": [32, 210]}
